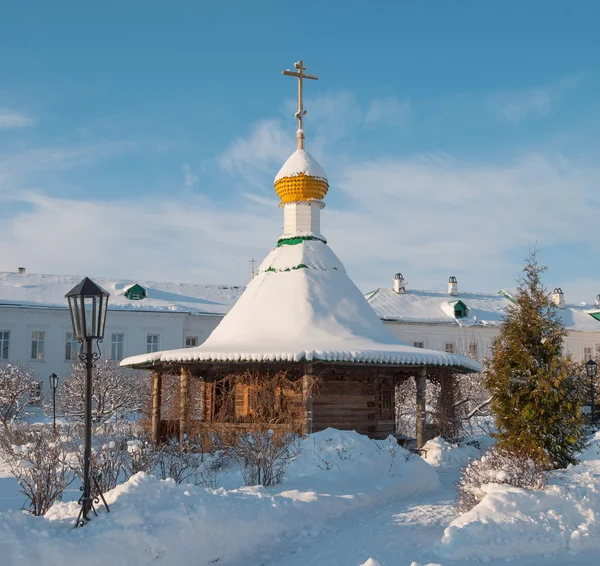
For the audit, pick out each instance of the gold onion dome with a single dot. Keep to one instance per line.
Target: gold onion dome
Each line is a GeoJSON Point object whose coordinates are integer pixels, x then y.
{"type": "Point", "coordinates": [301, 178]}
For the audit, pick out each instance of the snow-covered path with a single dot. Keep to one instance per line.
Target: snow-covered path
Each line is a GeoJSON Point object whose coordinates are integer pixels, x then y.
{"type": "Point", "coordinates": [397, 533]}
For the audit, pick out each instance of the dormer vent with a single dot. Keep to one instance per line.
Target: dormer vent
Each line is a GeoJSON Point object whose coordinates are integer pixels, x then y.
{"type": "Point", "coordinates": [558, 298]}
{"type": "Point", "coordinates": [21, 270]}
{"type": "Point", "coordinates": [598, 300]}
{"type": "Point", "coordinates": [399, 283]}
{"type": "Point", "coordinates": [136, 293]}
{"type": "Point", "coordinates": [453, 286]}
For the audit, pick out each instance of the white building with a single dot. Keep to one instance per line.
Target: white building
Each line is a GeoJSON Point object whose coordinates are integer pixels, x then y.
{"type": "Point", "coordinates": [143, 316]}
{"type": "Point", "coordinates": [466, 323]}
{"type": "Point", "coordinates": [147, 316]}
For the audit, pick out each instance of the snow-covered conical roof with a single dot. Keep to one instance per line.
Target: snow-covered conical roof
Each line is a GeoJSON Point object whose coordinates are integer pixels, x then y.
{"type": "Point", "coordinates": [302, 306]}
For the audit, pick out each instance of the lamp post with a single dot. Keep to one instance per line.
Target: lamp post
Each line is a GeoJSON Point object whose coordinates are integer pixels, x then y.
{"type": "Point", "coordinates": [87, 304]}
{"type": "Point", "coordinates": [591, 367]}
{"type": "Point", "coordinates": [53, 379]}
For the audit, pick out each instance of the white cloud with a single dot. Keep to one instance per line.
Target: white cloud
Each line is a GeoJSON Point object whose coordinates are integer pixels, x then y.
{"type": "Point", "coordinates": [427, 216]}
{"type": "Point", "coordinates": [253, 157]}
{"type": "Point", "coordinates": [389, 110]}
{"type": "Point", "coordinates": [11, 119]}
{"type": "Point", "coordinates": [189, 179]}
{"type": "Point", "coordinates": [517, 105]}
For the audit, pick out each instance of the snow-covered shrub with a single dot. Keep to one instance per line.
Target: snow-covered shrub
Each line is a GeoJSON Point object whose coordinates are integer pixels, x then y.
{"type": "Point", "coordinates": [499, 466]}
{"type": "Point", "coordinates": [265, 455]}
{"type": "Point", "coordinates": [16, 388]}
{"type": "Point", "coordinates": [40, 461]}
{"type": "Point", "coordinates": [115, 391]}
{"type": "Point", "coordinates": [183, 466]}
{"type": "Point", "coordinates": [142, 457]}
{"type": "Point", "coordinates": [107, 464]}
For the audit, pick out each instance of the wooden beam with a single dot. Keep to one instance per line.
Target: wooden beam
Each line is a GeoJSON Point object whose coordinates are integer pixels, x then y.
{"type": "Point", "coordinates": [156, 405]}
{"type": "Point", "coordinates": [421, 383]}
{"type": "Point", "coordinates": [183, 404]}
{"type": "Point", "coordinates": [307, 384]}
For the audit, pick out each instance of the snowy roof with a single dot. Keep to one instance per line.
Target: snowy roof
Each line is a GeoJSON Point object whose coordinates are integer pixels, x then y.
{"type": "Point", "coordinates": [484, 309]}
{"type": "Point", "coordinates": [34, 290]}
{"type": "Point", "coordinates": [302, 306]}
{"type": "Point", "coordinates": [301, 162]}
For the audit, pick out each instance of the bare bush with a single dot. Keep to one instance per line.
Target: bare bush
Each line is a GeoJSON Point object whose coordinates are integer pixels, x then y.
{"type": "Point", "coordinates": [264, 456]}
{"type": "Point", "coordinates": [40, 461]}
{"type": "Point", "coordinates": [115, 391]}
{"type": "Point", "coordinates": [16, 388]}
{"type": "Point", "coordinates": [259, 422]}
{"type": "Point", "coordinates": [142, 457]}
{"type": "Point", "coordinates": [107, 464]}
{"type": "Point", "coordinates": [498, 466]}
{"type": "Point", "coordinates": [183, 466]}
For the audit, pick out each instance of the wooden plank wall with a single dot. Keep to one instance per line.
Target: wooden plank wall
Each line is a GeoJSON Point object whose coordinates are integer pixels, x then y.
{"type": "Point", "coordinates": [351, 399]}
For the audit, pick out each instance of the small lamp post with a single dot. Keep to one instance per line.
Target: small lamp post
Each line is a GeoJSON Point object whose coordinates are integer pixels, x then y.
{"type": "Point", "coordinates": [88, 304]}
{"type": "Point", "coordinates": [53, 379]}
{"type": "Point", "coordinates": [591, 367]}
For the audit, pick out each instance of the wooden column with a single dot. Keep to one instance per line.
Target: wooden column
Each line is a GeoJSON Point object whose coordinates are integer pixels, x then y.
{"type": "Point", "coordinates": [307, 383]}
{"type": "Point", "coordinates": [421, 383]}
{"type": "Point", "coordinates": [184, 380]}
{"type": "Point", "coordinates": [156, 405]}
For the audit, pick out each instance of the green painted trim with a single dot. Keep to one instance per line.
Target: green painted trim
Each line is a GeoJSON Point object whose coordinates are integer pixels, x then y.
{"type": "Point", "coordinates": [595, 315]}
{"type": "Point", "coordinates": [299, 266]}
{"type": "Point", "coordinates": [297, 240]}
{"type": "Point", "coordinates": [508, 296]}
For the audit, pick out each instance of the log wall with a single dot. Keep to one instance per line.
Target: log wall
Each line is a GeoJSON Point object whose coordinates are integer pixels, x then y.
{"type": "Point", "coordinates": [360, 399]}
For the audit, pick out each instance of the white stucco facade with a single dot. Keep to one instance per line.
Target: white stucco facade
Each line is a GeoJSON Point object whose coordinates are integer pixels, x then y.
{"type": "Point", "coordinates": [127, 333]}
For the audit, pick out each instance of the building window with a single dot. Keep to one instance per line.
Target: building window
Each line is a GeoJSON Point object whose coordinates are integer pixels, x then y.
{"type": "Point", "coordinates": [386, 400]}
{"type": "Point", "coordinates": [4, 341]}
{"type": "Point", "coordinates": [152, 343]}
{"type": "Point", "coordinates": [38, 338]}
{"type": "Point", "coordinates": [418, 344]}
{"type": "Point", "coordinates": [450, 347]}
{"type": "Point", "coordinates": [191, 341]}
{"type": "Point", "coordinates": [587, 353]}
{"type": "Point", "coordinates": [116, 346]}
{"type": "Point", "coordinates": [71, 347]}
{"type": "Point", "coordinates": [473, 349]}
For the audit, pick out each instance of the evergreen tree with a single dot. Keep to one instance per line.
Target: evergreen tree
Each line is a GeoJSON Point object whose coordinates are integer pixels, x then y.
{"type": "Point", "coordinates": [536, 402]}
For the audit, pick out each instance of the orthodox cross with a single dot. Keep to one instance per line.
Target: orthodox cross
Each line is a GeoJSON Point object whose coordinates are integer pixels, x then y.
{"type": "Point", "coordinates": [301, 112]}
{"type": "Point", "coordinates": [252, 268]}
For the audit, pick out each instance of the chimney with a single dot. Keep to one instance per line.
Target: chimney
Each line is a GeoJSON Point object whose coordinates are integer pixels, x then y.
{"type": "Point", "coordinates": [452, 286]}
{"type": "Point", "coordinates": [399, 284]}
{"type": "Point", "coordinates": [598, 300]}
{"type": "Point", "coordinates": [558, 298]}
{"type": "Point", "coordinates": [20, 270]}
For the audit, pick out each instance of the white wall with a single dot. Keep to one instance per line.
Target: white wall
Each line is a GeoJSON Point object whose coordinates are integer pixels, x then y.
{"type": "Point", "coordinates": [135, 325]}
{"type": "Point", "coordinates": [435, 337]}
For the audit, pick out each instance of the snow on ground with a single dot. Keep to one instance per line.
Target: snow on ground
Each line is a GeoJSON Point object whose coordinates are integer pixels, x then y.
{"type": "Point", "coordinates": [510, 522]}
{"type": "Point", "coordinates": [160, 522]}
{"type": "Point", "coordinates": [346, 501]}
{"type": "Point", "coordinates": [441, 454]}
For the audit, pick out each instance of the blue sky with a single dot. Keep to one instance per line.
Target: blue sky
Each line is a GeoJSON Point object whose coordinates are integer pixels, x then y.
{"type": "Point", "coordinates": [455, 135]}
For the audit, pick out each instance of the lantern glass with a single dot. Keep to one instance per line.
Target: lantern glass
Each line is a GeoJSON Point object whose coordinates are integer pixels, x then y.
{"type": "Point", "coordinates": [53, 378]}
{"type": "Point", "coordinates": [88, 304]}
{"type": "Point", "coordinates": [591, 368]}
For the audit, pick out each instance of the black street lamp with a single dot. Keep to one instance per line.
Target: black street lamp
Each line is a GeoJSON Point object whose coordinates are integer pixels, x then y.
{"type": "Point", "coordinates": [88, 303]}
{"type": "Point", "coordinates": [53, 379]}
{"type": "Point", "coordinates": [591, 367]}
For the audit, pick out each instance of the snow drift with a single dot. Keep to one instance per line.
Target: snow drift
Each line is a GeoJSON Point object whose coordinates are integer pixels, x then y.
{"type": "Point", "coordinates": [166, 523]}
{"type": "Point", "coordinates": [511, 522]}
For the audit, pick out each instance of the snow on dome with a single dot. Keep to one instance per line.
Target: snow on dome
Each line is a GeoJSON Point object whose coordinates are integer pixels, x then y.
{"type": "Point", "coordinates": [303, 306]}
{"type": "Point", "coordinates": [301, 162]}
